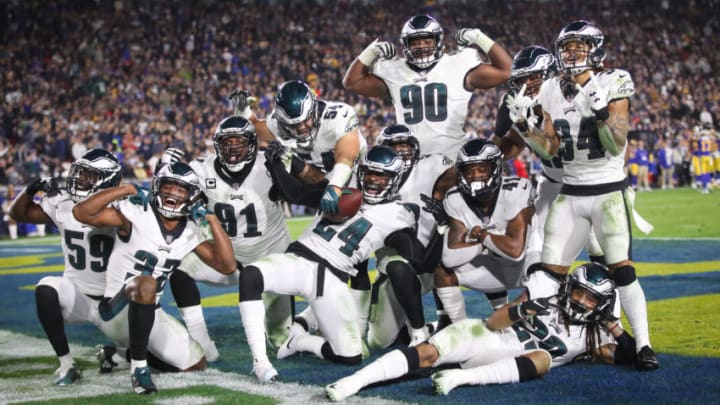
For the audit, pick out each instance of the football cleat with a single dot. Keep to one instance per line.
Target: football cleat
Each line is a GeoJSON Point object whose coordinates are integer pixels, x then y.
{"type": "Point", "coordinates": [285, 350]}
{"type": "Point", "coordinates": [342, 388]}
{"type": "Point", "coordinates": [265, 372]}
{"type": "Point", "coordinates": [68, 377]}
{"type": "Point", "coordinates": [104, 355]}
{"type": "Point", "coordinates": [646, 359]}
{"type": "Point", "coordinates": [445, 381]}
{"type": "Point", "coordinates": [142, 382]}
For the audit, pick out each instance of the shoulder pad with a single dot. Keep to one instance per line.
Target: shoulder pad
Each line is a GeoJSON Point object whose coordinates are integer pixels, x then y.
{"type": "Point", "coordinates": [413, 209]}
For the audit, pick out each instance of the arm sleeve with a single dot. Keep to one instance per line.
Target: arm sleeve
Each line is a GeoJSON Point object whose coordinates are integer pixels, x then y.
{"type": "Point", "coordinates": [293, 190]}
{"type": "Point", "coordinates": [408, 246]}
{"type": "Point", "coordinates": [502, 119]}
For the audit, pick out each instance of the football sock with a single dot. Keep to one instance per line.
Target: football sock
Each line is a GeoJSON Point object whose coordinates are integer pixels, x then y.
{"type": "Point", "coordinates": [66, 362]}
{"type": "Point", "coordinates": [389, 366]}
{"type": "Point", "coordinates": [140, 319]}
{"type": "Point", "coordinates": [407, 289]}
{"type": "Point", "coordinates": [50, 316]}
{"type": "Point", "coordinates": [137, 364]}
{"type": "Point", "coordinates": [305, 342]}
{"type": "Point", "coordinates": [500, 372]}
{"type": "Point", "coordinates": [252, 314]}
{"type": "Point", "coordinates": [632, 299]}
{"type": "Point", "coordinates": [443, 319]}
{"type": "Point", "coordinates": [195, 323]}
{"type": "Point", "coordinates": [453, 302]}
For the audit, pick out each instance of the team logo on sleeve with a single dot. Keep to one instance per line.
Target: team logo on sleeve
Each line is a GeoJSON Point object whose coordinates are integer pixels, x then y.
{"type": "Point", "coordinates": [210, 183]}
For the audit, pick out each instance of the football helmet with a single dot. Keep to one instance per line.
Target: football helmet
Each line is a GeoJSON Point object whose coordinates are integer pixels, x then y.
{"type": "Point", "coordinates": [531, 66]}
{"type": "Point", "coordinates": [573, 61]}
{"type": "Point", "coordinates": [235, 143]}
{"type": "Point", "coordinates": [172, 203]}
{"type": "Point", "coordinates": [382, 161]}
{"type": "Point", "coordinates": [400, 134]}
{"type": "Point", "coordinates": [422, 26]}
{"type": "Point", "coordinates": [594, 280]}
{"type": "Point", "coordinates": [97, 169]}
{"type": "Point", "coordinates": [295, 105]}
{"type": "Point", "coordinates": [479, 152]}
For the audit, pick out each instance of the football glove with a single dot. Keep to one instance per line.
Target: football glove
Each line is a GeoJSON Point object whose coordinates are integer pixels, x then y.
{"type": "Point", "coordinates": [49, 185]}
{"type": "Point", "coordinates": [376, 49]}
{"type": "Point", "coordinates": [140, 195]}
{"type": "Point", "coordinates": [241, 101]}
{"type": "Point", "coordinates": [520, 108]}
{"type": "Point", "coordinates": [538, 306]}
{"type": "Point", "coordinates": [435, 207]}
{"type": "Point", "coordinates": [470, 36]}
{"type": "Point", "coordinates": [595, 97]}
{"type": "Point", "coordinates": [172, 155]}
{"type": "Point", "coordinates": [329, 200]}
{"type": "Point", "coordinates": [199, 211]}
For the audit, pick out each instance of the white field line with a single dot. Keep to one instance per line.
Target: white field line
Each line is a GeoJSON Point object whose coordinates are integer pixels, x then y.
{"type": "Point", "coordinates": [38, 388]}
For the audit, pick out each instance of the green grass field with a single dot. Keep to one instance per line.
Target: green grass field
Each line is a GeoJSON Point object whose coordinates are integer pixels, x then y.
{"type": "Point", "coordinates": [26, 363]}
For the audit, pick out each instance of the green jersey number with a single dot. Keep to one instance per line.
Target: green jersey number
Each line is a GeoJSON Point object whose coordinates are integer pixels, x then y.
{"type": "Point", "coordinates": [428, 102]}
{"type": "Point", "coordinates": [351, 234]}
{"type": "Point", "coordinates": [99, 249]}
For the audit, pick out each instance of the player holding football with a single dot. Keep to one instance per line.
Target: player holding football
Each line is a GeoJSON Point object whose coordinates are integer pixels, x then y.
{"type": "Point", "coordinates": [321, 262]}
{"type": "Point", "coordinates": [519, 342]}
{"type": "Point", "coordinates": [75, 295]}
{"type": "Point", "coordinates": [430, 89]}
{"type": "Point", "coordinates": [586, 110]}
{"type": "Point", "coordinates": [154, 234]}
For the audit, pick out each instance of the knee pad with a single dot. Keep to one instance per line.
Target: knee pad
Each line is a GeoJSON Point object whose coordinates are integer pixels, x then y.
{"type": "Point", "coordinates": [46, 295]}
{"type": "Point", "coordinates": [251, 284]}
{"type": "Point", "coordinates": [329, 354]}
{"type": "Point", "coordinates": [623, 275]}
{"type": "Point", "coordinates": [400, 273]}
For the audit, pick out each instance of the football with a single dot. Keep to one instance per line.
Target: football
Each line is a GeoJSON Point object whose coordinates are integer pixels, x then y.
{"type": "Point", "coordinates": [349, 202]}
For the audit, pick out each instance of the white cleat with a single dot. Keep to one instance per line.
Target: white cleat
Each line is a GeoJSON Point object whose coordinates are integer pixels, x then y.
{"type": "Point", "coordinates": [447, 380]}
{"type": "Point", "coordinates": [285, 350]}
{"type": "Point", "coordinates": [341, 389]}
{"type": "Point", "coordinates": [265, 372]}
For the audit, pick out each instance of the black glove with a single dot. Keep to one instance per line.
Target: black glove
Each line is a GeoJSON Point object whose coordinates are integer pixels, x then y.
{"type": "Point", "coordinates": [435, 207]}
{"type": "Point", "coordinates": [539, 306]}
{"type": "Point", "coordinates": [274, 150]}
{"type": "Point", "coordinates": [49, 185]}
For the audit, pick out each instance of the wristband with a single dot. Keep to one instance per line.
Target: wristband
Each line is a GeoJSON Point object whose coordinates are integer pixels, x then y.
{"type": "Point", "coordinates": [340, 175]}
{"type": "Point", "coordinates": [369, 54]}
{"type": "Point", "coordinates": [484, 42]}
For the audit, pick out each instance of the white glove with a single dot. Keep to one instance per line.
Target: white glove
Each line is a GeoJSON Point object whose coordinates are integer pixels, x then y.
{"type": "Point", "coordinates": [241, 100]}
{"type": "Point", "coordinates": [595, 97]}
{"type": "Point", "coordinates": [469, 36]}
{"type": "Point", "coordinates": [520, 108]}
{"type": "Point", "coordinates": [376, 49]}
{"type": "Point", "coordinates": [172, 155]}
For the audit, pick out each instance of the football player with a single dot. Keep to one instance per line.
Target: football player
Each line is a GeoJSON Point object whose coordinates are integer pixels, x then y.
{"type": "Point", "coordinates": [702, 146]}
{"type": "Point", "coordinates": [154, 233]}
{"type": "Point", "coordinates": [397, 292]}
{"type": "Point", "coordinates": [319, 139]}
{"type": "Point", "coordinates": [74, 296]}
{"type": "Point", "coordinates": [586, 109]}
{"type": "Point", "coordinates": [430, 89]}
{"type": "Point", "coordinates": [322, 260]}
{"type": "Point", "coordinates": [530, 68]}
{"type": "Point", "coordinates": [519, 342]}
{"type": "Point", "coordinates": [237, 186]}
{"type": "Point", "coordinates": [489, 244]}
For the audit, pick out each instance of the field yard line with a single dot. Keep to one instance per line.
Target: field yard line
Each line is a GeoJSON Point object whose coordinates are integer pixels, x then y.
{"type": "Point", "coordinates": [37, 388]}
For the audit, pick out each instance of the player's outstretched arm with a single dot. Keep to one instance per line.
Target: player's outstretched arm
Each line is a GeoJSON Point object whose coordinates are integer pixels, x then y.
{"type": "Point", "coordinates": [485, 76]}
{"type": "Point", "coordinates": [24, 209]}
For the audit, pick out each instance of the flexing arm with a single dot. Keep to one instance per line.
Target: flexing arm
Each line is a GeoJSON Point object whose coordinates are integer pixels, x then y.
{"type": "Point", "coordinates": [95, 212]}
{"type": "Point", "coordinates": [358, 79]}
{"type": "Point", "coordinates": [487, 76]}
{"type": "Point", "coordinates": [24, 209]}
{"type": "Point", "coordinates": [264, 136]}
{"type": "Point", "coordinates": [217, 253]}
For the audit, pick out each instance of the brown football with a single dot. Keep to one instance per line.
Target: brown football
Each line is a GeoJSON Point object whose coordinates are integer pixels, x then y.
{"type": "Point", "coordinates": [349, 202]}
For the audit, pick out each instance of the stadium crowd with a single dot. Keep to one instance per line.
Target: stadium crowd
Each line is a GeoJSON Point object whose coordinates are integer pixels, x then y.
{"type": "Point", "coordinates": [137, 77]}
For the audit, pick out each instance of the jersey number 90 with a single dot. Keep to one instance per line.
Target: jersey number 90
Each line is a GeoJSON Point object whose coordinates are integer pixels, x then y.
{"type": "Point", "coordinates": [427, 102]}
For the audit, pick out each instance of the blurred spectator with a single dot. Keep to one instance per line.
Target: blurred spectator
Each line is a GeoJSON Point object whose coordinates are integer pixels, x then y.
{"type": "Point", "coordinates": [664, 152]}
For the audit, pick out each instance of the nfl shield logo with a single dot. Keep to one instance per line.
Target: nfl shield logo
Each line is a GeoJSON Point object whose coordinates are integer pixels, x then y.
{"type": "Point", "coordinates": [210, 183]}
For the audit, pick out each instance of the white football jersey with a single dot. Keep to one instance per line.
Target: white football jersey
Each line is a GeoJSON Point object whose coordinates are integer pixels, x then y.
{"type": "Point", "coordinates": [336, 120]}
{"type": "Point", "coordinates": [352, 242]}
{"type": "Point", "coordinates": [86, 249]}
{"type": "Point", "coordinates": [254, 223]}
{"type": "Point", "coordinates": [585, 161]}
{"type": "Point", "coordinates": [421, 181]}
{"type": "Point", "coordinates": [549, 332]}
{"type": "Point", "coordinates": [515, 195]}
{"type": "Point", "coordinates": [433, 103]}
{"type": "Point", "coordinates": [149, 250]}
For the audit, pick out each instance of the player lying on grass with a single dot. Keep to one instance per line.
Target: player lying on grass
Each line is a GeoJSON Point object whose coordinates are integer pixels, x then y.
{"type": "Point", "coordinates": [519, 342]}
